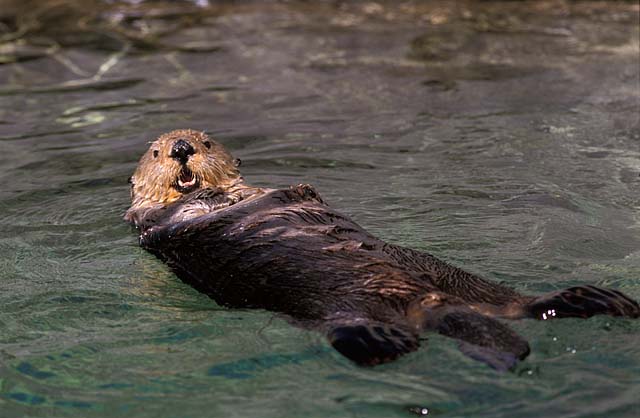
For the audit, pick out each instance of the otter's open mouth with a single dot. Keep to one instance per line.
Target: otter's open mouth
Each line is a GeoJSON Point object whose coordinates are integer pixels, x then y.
{"type": "Point", "coordinates": [187, 181]}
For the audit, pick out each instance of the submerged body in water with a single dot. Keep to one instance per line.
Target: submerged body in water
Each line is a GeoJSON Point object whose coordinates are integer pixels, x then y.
{"type": "Point", "coordinates": [288, 251]}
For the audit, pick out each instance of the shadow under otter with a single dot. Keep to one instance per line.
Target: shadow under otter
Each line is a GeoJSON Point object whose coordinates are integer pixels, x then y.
{"type": "Point", "coordinates": [288, 251]}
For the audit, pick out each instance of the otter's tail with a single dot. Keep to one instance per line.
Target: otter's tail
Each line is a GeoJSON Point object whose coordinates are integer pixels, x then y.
{"type": "Point", "coordinates": [480, 337]}
{"type": "Point", "coordinates": [368, 342]}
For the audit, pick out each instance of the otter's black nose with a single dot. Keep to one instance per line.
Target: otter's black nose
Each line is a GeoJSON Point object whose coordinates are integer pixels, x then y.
{"type": "Point", "coordinates": [181, 151]}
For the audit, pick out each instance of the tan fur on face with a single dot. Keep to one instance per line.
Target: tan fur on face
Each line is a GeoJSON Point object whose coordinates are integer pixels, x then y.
{"type": "Point", "coordinates": [153, 182]}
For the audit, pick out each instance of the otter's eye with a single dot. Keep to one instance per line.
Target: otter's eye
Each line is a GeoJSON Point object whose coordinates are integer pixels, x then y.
{"type": "Point", "coordinates": [155, 153]}
{"type": "Point", "coordinates": [207, 144]}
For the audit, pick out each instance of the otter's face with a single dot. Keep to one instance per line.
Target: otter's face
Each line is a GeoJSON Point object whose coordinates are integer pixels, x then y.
{"type": "Point", "coordinates": [178, 163]}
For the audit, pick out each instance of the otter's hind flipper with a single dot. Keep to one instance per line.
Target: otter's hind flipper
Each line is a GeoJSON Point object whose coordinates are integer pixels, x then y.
{"type": "Point", "coordinates": [370, 343]}
{"type": "Point", "coordinates": [481, 337]}
{"type": "Point", "coordinates": [583, 302]}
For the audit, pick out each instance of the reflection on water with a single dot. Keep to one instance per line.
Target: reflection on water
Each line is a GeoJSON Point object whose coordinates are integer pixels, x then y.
{"type": "Point", "coordinates": [501, 136]}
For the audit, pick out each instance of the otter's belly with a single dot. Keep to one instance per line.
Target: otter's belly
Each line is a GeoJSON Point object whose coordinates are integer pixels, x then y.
{"type": "Point", "coordinates": [287, 252]}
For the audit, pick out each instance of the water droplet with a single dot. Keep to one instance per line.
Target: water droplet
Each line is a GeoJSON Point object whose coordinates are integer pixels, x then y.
{"type": "Point", "coordinates": [418, 410]}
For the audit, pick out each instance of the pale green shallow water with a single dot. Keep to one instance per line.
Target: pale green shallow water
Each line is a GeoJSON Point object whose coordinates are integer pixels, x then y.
{"type": "Point", "coordinates": [503, 138]}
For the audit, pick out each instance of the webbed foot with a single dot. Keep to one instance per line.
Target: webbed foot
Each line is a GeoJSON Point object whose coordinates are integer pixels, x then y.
{"type": "Point", "coordinates": [368, 343]}
{"type": "Point", "coordinates": [583, 302]}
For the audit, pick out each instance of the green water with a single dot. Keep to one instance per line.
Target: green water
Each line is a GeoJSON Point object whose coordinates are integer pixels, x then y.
{"type": "Point", "coordinates": [502, 137]}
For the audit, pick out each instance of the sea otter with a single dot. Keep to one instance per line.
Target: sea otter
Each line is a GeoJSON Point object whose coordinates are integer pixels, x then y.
{"type": "Point", "coordinates": [287, 251]}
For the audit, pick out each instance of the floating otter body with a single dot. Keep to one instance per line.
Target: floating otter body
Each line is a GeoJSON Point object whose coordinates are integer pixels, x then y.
{"type": "Point", "coordinates": [287, 251]}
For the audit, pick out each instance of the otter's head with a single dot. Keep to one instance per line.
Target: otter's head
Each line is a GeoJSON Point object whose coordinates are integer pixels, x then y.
{"type": "Point", "coordinates": [177, 163]}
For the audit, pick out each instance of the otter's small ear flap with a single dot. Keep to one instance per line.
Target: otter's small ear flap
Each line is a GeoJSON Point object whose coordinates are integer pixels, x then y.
{"type": "Point", "coordinates": [237, 162]}
{"type": "Point", "coordinates": [131, 180]}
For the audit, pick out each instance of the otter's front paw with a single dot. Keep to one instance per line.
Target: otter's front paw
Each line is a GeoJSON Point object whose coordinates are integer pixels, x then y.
{"type": "Point", "coordinates": [307, 192]}
{"type": "Point", "coordinates": [583, 302]}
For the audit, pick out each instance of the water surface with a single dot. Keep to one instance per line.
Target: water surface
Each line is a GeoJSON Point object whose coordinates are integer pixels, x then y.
{"type": "Point", "coordinates": [501, 137]}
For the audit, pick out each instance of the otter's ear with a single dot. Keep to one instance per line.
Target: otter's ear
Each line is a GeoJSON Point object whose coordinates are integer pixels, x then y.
{"type": "Point", "coordinates": [131, 181]}
{"type": "Point", "coordinates": [237, 162]}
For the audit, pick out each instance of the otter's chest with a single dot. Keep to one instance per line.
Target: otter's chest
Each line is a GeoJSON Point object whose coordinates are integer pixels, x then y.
{"type": "Point", "coordinates": [283, 251]}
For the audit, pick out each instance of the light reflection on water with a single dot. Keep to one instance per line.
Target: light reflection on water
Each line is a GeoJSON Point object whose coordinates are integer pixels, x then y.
{"type": "Point", "coordinates": [503, 141]}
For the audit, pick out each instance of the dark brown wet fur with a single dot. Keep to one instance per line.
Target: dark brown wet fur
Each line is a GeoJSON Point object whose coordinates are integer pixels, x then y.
{"type": "Point", "coordinates": [288, 251]}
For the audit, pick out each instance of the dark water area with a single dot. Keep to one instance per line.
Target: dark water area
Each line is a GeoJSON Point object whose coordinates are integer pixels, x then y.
{"type": "Point", "coordinates": [503, 137]}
